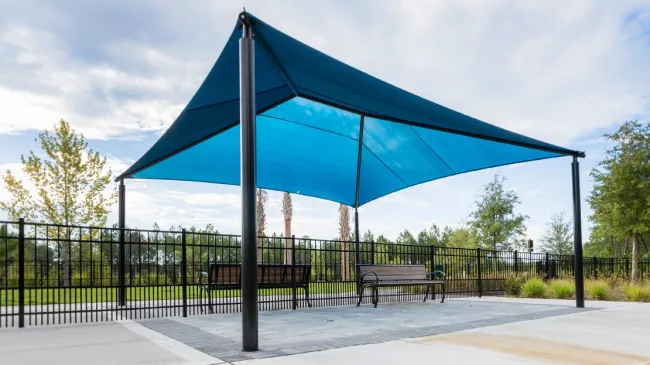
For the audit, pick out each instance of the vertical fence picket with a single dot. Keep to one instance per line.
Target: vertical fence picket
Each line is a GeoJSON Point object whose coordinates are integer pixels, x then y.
{"type": "Point", "coordinates": [85, 272]}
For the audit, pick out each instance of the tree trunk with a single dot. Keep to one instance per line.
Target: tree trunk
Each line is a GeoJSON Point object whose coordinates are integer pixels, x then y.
{"type": "Point", "coordinates": [287, 241]}
{"type": "Point", "coordinates": [260, 242]}
{"type": "Point", "coordinates": [345, 270]}
{"type": "Point", "coordinates": [635, 260]}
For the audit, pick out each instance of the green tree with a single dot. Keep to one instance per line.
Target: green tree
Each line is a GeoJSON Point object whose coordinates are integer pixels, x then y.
{"type": "Point", "coordinates": [494, 221]}
{"type": "Point", "coordinates": [620, 198]}
{"type": "Point", "coordinates": [461, 237]}
{"type": "Point", "coordinates": [558, 238]}
{"type": "Point", "coordinates": [431, 237]}
{"type": "Point", "coordinates": [70, 180]}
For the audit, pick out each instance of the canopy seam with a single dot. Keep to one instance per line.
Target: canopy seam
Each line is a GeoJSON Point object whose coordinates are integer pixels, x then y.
{"type": "Point", "coordinates": [432, 150]}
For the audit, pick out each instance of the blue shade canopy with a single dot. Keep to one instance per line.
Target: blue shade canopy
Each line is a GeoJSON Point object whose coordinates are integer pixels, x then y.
{"type": "Point", "coordinates": [315, 115]}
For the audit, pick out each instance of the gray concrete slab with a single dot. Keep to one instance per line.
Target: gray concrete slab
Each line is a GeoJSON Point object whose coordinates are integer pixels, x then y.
{"type": "Point", "coordinates": [616, 334]}
{"type": "Point", "coordinates": [110, 343]}
{"type": "Point", "coordinates": [317, 329]}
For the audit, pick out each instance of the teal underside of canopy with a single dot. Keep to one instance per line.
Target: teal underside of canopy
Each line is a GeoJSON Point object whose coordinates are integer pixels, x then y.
{"type": "Point", "coordinates": [311, 110]}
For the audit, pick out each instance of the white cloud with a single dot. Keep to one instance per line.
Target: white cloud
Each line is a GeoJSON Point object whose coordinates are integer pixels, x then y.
{"type": "Point", "coordinates": [210, 199]}
{"type": "Point", "coordinates": [399, 198]}
{"type": "Point", "coordinates": [555, 71]}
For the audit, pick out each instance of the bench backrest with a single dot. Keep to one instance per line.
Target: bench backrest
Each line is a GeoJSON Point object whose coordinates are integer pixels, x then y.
{"type": "Point", "coordinates": [266, 274]}
{"type": "Point", "coordinates": [393, 272]}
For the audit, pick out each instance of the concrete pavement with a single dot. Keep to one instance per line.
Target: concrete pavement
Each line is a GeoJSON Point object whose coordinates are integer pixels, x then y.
{"type": "Point", "coordinates": [615, 333]}
{"type": "Point", "coordinates": [124, 343]}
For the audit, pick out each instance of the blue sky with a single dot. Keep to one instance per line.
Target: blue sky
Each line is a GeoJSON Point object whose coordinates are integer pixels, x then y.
{"type": "Point", "coordinates": [121, 71]}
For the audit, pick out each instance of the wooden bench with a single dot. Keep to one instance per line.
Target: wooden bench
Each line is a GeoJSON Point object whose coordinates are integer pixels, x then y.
{"type": "Point", "coordinates": [269, 276]}
{"type": "Point", "coordinates": [376, 276]}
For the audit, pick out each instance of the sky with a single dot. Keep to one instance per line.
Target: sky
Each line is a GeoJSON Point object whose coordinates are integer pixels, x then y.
{"type": "Point", "coordinates": [120, 72]}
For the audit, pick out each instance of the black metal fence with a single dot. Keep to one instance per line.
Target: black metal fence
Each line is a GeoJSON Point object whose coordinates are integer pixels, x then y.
{"type": "Point", "coordinates": [54, 274]}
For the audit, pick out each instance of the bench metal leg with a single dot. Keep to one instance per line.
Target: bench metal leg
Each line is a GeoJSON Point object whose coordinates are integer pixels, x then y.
{"type": "Point", "coordinates": [210, 302]}
{"type": "Point", "coordinates": [443, 293]}
{"type": "Point", "coordinates": [307, 296]}
{"type": "Point", "coordinates": [427, 294]}
{"type": "Point", "coordinates": [360, 295]}
{"type": "Point", "coordinates": [375, 296]}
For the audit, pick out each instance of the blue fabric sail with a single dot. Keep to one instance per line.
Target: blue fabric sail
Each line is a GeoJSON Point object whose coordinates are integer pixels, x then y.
{"type": "Point", "coordinates": [315, 115]}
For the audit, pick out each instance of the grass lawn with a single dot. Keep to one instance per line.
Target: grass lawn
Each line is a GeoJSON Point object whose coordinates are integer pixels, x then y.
{"type": "Point", "coordinates": [9, 297]}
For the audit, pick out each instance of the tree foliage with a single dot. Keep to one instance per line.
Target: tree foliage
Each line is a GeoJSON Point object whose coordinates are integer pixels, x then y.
{"type": "Point", "coordinates": [494, 222]}
{"type": "Point", "coordinates": [558, 237]}
{"type": "Point", "coordinates": [461, 237]}
{"type": "Point", "coordinates": [70, 181]}
{"type": "Point", "coordinates": [620, 198]}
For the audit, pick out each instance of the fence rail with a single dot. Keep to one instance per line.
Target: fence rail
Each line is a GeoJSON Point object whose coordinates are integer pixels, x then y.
{"type": "Point", "coordinates": [54, 274]}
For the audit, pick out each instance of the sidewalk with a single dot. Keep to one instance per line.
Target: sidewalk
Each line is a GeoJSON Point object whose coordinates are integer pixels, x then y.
{"type": "Point", "coordinates": [616, 333]}
{"type": "Point", "coordinates": [124, 343]}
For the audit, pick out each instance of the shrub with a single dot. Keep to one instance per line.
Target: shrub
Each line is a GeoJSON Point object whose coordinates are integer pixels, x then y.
{"type": "Point", "coordinates": [562, 288]}
{"type": "Point", "coordinates": [534, 288]}
{"type": "Point", "coordinates": [597, 289]}
{"type": "Point", "coordinates": [636, 293]}
{"type": "Point", "coordinates": [512, 285]}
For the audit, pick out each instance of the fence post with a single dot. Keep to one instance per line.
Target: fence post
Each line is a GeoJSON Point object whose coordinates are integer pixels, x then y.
{"type": "Point", "coordinates": [478, 268]}
{"type": "Point", "coordinates": [21, 273]}
{"type": "Point", "coordinates": [121, 266]}
{"type": "Point", "coordinates": [627, 267]}
{"type": "Point", "coordinates": [516, 262]}
{"type": "Point", "coordinates": [595, 265]}
{"type": "Point", "coordinates": [294, 297]}
{"type": "Point", "coordinates": [547, 265]}
{"type": "Point", "coordinates": [184, 269]}
{"type": "Point", "coordinates": [372, 252]}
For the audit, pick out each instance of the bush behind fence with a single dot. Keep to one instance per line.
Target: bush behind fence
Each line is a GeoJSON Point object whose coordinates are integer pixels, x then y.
{"type": "Point", "coordinates": [63, 274]}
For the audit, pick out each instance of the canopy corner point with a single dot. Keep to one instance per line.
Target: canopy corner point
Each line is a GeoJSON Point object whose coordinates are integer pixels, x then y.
{"type": "Point", "coordinates": [245, 18]}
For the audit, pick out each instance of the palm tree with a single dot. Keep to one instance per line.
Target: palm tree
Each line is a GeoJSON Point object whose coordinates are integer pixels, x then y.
{"type": "Point", "coordinates": [344, 236]}
{"type": "Point", "coordinates": [262, 197]}
{"type": "Point", "coordinates": [287, 210]}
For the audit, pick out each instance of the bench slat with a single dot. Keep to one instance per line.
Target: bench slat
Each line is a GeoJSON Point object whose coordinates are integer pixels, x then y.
{"type": "Point", "coordinates": [406, 283]}
{"type": "Point", "coordinates": [393, 272]}
{"type": "Point", "coordinates": [270, 275]}
{"type": "Point", "coordinates": [371, 277]}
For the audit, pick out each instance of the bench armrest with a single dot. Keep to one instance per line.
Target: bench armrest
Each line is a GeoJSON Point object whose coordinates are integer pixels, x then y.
{"type": "Point", "coordinates": [369, 272]}
{"type": "Point", "coordinates": [432, 275]}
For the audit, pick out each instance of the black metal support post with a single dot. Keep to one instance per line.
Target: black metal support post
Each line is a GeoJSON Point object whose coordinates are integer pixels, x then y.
{"type": "Point", "coordinates": [478, 268]}
{"type": "Point", "coordinates": [250, 341]}
{"type": "Point", "coordinates": [121, 275]}
{"type": "Point", "coordinates": [577, 235]}
{"type": "Point", "coordinates": [294, 296]}
{"type": "Point", "coordinates": [184, 270]}
{"type": "Point", "coordinates": [372, 252]}
{"type": "Point", "coordinates": [432, 253]}
{"type": "Point", "coordinates": [516, 262]}
{"type": "Point", "coordinates": [21, 273]}
{"type": "Point", "coordinates": [357, 255]}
